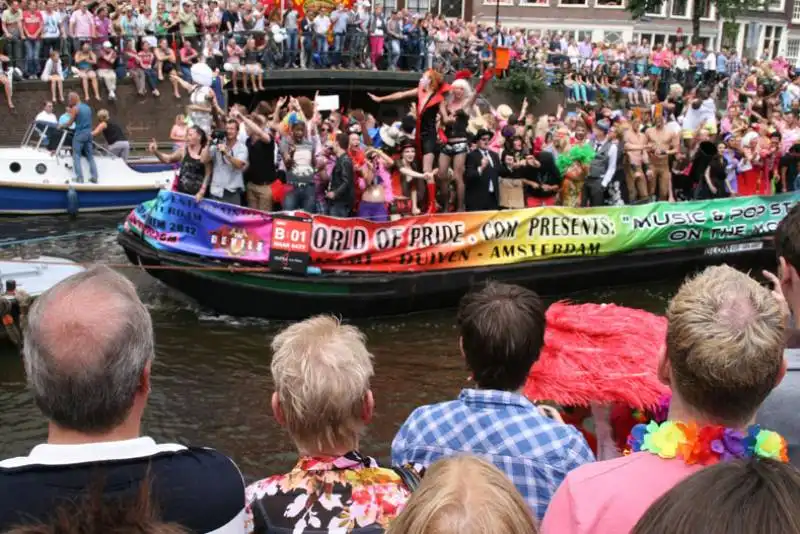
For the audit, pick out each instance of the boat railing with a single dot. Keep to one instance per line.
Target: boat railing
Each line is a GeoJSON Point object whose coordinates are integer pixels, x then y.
{"type": "Point", "coordinates": [43, 135]}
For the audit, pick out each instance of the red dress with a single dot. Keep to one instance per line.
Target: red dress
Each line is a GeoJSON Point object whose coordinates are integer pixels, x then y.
{"type": "Point", "coordinates": [751, 182]}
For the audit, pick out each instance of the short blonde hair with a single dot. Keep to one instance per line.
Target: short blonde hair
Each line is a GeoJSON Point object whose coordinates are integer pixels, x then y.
{"type": "Point", "coordinates": [322, 371]}
{"type": "Point", "coordinates": [465, 495]}
{"type": "Point", "coordinates": [725, 341]}
{"type": "Point", "coordinates": [102, 115]}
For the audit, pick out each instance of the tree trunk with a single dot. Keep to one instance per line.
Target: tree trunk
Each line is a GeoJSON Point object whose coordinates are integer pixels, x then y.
{"type": "Point", "coordinates": [698, 8]}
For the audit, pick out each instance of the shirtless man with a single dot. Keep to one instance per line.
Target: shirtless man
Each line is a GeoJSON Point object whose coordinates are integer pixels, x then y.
{"type": "Point", "coordinates": [636, 162]}
{"type": "Point", "coordinates": [662, 143]}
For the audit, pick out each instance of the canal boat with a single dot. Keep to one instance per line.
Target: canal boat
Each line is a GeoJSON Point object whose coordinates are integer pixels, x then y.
{"type": "Point", "coordinates": [24, 279]}
{"type": "Point", "coordinates": [223, 257]}
{"type": "Point", "coordinates": [37, 177]}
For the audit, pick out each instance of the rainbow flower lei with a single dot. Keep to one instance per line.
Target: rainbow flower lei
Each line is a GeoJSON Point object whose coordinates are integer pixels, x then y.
{"type": "Point", "coordinates": [706, 445]}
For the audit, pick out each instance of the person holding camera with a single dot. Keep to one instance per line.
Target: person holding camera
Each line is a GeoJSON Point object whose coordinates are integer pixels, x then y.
{"type": "Point", "coordinates": [228, 162]}
{"type": "Point", "coordinates": [261, 169]}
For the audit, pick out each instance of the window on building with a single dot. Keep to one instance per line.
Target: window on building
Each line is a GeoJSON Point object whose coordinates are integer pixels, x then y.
{"type": "Point", "coordinates": [389, 6]}
{"type": "Point", "coordinates": [418, 6]}
{"type": "Point", "coordinates": [609, 3]}
{"type": "Point", "coordinates": [645, 38]}
{"type": "Point", "coordinates": [705, 12]}
{"type": "Point", "coordinates": [680, 8]}
{"type": "Point", "coordinates": [796, 11]}
{"type": "Point", "coordinates": [656, 9]}
{"type": "Point", "coordinates": [772, 40]}
{"type": "Point", "coordinates": [775, 5]}
{"type": "Point", "coordinates": [535, 2]}
{"type": "Point", "coordinates": [612, 37]}
{"type": "Point", "coordinates": [793, 51]}
{"type": "Point", "coordinates": [452, 9]}
{"type": "Point", "coordinates": [572, 2]}
{"type": "Point", "coordinates": [584, 34]}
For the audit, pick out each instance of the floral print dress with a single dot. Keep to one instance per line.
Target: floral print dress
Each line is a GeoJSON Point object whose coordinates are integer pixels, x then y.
{"type": "Point", "coordinates": [351, 493]}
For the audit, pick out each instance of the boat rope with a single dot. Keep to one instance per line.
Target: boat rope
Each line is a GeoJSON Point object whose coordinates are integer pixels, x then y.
{"type": "Point", "coordinates": [140, 266]}
{"type": "Point", "coordinates": [32, 240]}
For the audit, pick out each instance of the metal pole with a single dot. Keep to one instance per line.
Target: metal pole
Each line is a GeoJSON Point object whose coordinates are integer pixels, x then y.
{"type": "Point", "coordinates": [496, 30]}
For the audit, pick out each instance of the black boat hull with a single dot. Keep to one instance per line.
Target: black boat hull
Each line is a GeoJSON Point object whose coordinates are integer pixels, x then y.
{"type": "Point", "coordinates": [359, 295]}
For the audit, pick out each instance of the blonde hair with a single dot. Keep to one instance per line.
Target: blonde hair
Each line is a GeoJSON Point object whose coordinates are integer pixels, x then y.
{"type": "Point", "coordinates": [322, 370]}
{"type": "Point", "coordinates": [464, 86]}
{"type": "Point", "coordinates": [725, 341]}
{"type": "Point", "coordinates": [465, 495]}
{"type": "Point", "coordinates": [102, 115]}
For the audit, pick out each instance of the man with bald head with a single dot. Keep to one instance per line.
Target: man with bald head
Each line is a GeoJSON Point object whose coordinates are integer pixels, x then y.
{"type": "Point", "coordinates": [81, 116]}
{"type": "Point", "coordinates": [88, 354]}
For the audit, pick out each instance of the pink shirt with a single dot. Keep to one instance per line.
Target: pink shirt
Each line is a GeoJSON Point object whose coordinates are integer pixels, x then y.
{"type": "Point", "coordinates": [83, 23]}
{"type": "Point", "coordinates": [610, 497]}
{"type": "Point", "coordinates": [789, 136]}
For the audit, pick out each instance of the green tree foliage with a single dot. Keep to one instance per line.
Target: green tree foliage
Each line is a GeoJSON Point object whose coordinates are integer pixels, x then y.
{"type": "Point", "coordinates": [726, 10]}
{"type": "Point", "coordinates": [523, 83]}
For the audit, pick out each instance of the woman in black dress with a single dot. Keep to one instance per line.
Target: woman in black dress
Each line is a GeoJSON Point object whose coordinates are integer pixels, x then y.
{"type": "Point", "coordinates": [195, 169]}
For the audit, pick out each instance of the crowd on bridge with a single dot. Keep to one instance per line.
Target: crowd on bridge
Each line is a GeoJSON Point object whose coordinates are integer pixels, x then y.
{"type": "Point", "coordinates": [718, 458]}
{"type": "Point", "coordinates": [109, 40]}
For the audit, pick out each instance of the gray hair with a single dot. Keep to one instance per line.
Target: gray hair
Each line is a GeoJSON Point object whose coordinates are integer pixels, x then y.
{"type": "Point", "coordinates": [88, 341]}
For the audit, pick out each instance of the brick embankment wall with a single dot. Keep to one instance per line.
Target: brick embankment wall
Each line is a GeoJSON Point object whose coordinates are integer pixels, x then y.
{"type": "Point", "coordinates": [142, 117]}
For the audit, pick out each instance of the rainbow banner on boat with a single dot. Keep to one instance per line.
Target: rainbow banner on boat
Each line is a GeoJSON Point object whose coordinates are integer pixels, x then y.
{"type": "Point", "coordinates": [175, 222]}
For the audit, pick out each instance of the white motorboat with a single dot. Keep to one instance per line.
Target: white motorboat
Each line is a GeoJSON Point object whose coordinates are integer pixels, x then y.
{"type": "Point", "coordinates": [21, 281]}
{"type": "Point", "coordinates": [38, 177]}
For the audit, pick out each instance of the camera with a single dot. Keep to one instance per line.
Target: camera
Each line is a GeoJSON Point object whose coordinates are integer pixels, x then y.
{"type": "Point", "coordinates": [217, 137]}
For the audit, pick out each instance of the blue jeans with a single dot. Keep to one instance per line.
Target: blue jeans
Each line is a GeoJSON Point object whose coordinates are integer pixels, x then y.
{"type": "Point", "coordinates": [394, 53]}
{"type": "Point", "coordinates": [338, 46]}
{"type": "Point", "coordinates": [308, 49]}
{"type": "Point", "coordinates": [322, 50]}
{"type": "Point", "coordinates": [291, 47]}
{"type": "Point", "coordinates": [301, 197]}
{"type": "Point", "coordinates": [336, 209]}
{"type": "Point", "coordinates": [151, 78]}
{"type": "Point", "coordinates": [186, 73]}
{"type": "Point", "coordinates": [33, 51]}
{"type": "Point", "coordinates": [82, 146]}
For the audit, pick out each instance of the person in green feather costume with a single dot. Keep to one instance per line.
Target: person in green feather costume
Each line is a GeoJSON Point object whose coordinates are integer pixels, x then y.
{"type": "Point", "coordinates": [573, 166]}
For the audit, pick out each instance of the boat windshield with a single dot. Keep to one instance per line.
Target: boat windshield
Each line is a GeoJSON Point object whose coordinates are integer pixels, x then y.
{"type": "Point", "coordinates": [48, 136]}
{"type": "Point", "coordinates": [45, 135]}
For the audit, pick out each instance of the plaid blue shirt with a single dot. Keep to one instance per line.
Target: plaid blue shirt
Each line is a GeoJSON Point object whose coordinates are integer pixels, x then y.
{"type": "Point", "coordinates": [504, 428]}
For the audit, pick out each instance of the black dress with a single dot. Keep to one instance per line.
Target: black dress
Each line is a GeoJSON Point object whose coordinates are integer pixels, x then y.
{"type": "Point", "coordinates": [427, 130]}
{"type": "Point", "coordinates": [191, 174]}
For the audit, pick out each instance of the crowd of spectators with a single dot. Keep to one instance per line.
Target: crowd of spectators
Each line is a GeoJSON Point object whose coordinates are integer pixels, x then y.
{"type": "Point", "coordinates": [490, 461]}
{"type": "Point", "coordinates": [642, 114]}
{"type": "Point", "coordinates": [53, 40]}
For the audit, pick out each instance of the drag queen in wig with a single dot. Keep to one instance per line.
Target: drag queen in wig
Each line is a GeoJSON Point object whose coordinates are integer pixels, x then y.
{"type": "Point", "coordinates": [430, 94]}
{"type": "Point", "coordinates": [456, 111]}
{"type": "Point", "coordinates": [574, 166]}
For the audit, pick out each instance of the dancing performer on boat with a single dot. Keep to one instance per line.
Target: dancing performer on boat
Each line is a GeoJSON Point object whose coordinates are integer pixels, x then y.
{"type": "Point", "coordinates": [456, 111]}
{"type": "Point", "coordinates": [430, 95]}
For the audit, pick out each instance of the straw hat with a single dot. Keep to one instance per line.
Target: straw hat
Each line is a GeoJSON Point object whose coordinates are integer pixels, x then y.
{"type": "Point", "coordinates": [504, 112]}
{"type": "Point", "coordinates": [475, 124]}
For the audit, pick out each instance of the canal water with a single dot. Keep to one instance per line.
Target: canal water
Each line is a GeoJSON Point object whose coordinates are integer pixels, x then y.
{"type": "Point", "coordinates": [211, 380]}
